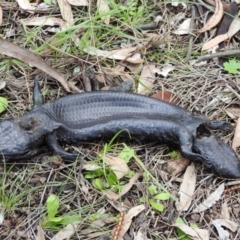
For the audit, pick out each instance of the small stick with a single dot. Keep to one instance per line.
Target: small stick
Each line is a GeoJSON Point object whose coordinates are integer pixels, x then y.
{"type": "Point", "coordinates": [219, 54]}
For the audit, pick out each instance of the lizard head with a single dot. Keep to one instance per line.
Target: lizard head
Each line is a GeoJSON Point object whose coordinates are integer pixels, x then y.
{"type": "Point", "coordinates": [21, 137]}
{"type": "Point", "coordinates": [217, 155]}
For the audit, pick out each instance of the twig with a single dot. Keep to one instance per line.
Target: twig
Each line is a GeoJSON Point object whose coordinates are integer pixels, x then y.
{"type": "Point", "coordinates": [219, 54]}
{"type": "Point", "coordinates": [233, 91]}
{"type": "Point", "coordinates": [192, 25]}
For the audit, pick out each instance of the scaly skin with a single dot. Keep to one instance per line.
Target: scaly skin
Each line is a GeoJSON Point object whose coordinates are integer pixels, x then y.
{"type": "Point", "coordinates": [88, 116]}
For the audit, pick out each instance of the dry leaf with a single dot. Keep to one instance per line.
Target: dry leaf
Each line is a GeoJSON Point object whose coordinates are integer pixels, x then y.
{"type": "Point", "coordinates": [25, 4]}
{"type": "Point", "coordinates": [66, 12]}
{"type": "Point", "coordinates": [119, 54]}
{"type": "Point", "coordinates": [233, 29]}
{"type": "Point", "coordinates": [187, 189]}
{"type": "Point", "coordinates": [90, 167]}
{"type": "Point", "coordinates": [103, 8]}
{"type": "Point", "coordinates": [78, 2]}
{"type": "Point", "coordinates": [1, 214]}
{"type": "Point", "coordinates": [215, 19]}
{"type": "Point", "coordinates": [184, 27]}
{"type": "Point", "coordinates": [66, 232]}
{"type": "Point", "coordinates": [195, 234]}
{"type": "Point", "coordinates": [12, 50]}
{"type": "Point", "coordinates": [236, 138]}
{"type": "Point", "coordinates": [129, 185]}
{"type": "Point", "coordinates": [118, 165]}
{"type": "Point", "coordinates": [167, 97]}
{"type": "Point", "coordinates": [224, 211]}
{"type": "Point", "coordinates": [215, 41]}
{"type": "Point", "coordinates": [176, 3]}
{"type": "Point", "coordinates": [2, 84]}
{"type": "Point", "coordinates": [164, 70]}
{"type": "Point", "coordinates": [177, 166]}
{"type": "Point", "coordinates": [44, 21]}
{"type": "Point", "coordinates": [228, 224]}
{"type": "Point", "coordinates": [212, 199]}
{"type": "Point", "coordinates": [40, 233]}
{"type": "Point", "coordinates": [1, 15]}
{"type": "Point", "coordinates": [133, 212]}
{"type": "Point", "coordinates": [233, 113]}
{"type": "Point", "coordinates": [147, 79]}
{"type": "Point", "coordinates": [113, 196]}
{"type": "Point", "coordinates": [222, 233]}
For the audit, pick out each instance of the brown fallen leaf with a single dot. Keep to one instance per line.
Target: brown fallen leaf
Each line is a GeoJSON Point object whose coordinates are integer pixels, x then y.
{"type": "Point", "coordinates": [103, 8]}
{"type": "Point", "coordinates": [147, 79]}
{"type": "Point", "coordinates": [167, 97]}
{"type": "Point", "coordinates": [184, 27]}
{"type": "Point", "coordinates": [1, 15]}
{"type": "Point", "coordinates": [227, 223]}
{"type": "Point", "coordinates": [215, 41]}
{"type": "Point", "coordinates": [127, 220]}
{"type": "Point", "coordinates": [233, 29]}
{"type": "Point", "coordinates": [78, 2]}
{"type": "Point", "coordinates": [225, 211]}
{"type": "Point", "coordinates": [195, 234]}
{"type": "Point", "coordinates": [118, 54]}
{"type": "Point", "coordinates": [118, 165]}
{"type": "Point", "coordinates": [40, 233]}
{"type": "Point", "coordinates": [25, 4]}
{"type": "Point", "coordinates": [211, 199]}
{"type": "Point", "coordinates": [236, 138]}
{"type": "Point", "coordinates": [66, 12]}
{"type": "Point", "coordinates": [215, 19]}
{"type": "Point", "coordinates": [66, 232]}
{"type": "Point", "coordinates": [44, 21]}
{"type": "Point", "coordinates": [233, 113]}
{"type": "Point", "coordinates": [187, 189]}
{"type": "Point", "coordinates": [177, 166]}
{"type": "Point", "coordinates": [113, 196]}
{"type": "Point", "coordinates": [12, 50]}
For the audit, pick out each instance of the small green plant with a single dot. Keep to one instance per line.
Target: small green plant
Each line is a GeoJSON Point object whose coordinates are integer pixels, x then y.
{"type": "Point", "coordinates": [175, 155]}
{"type": "Point", "coordinates": [54, 222]}
{"type": "Point", "coordinates": [104, 178]}
{"type": "Point", "coordinates": [182, 235]}
{"type": "Point", "coordinates": [155, 197]}
{"type": "Point", "coordinates": [3, 104]}
{"type": "Point", "coordinates": [233, 66]}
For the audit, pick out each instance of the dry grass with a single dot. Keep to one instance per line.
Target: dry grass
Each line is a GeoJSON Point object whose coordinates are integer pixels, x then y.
{"type": "Point", "coordinates": [197, 87]}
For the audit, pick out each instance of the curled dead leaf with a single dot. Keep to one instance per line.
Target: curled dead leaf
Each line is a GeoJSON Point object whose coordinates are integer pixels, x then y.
{"type": "Point", "coordinates": [125, 54]}
{"type": "Point", "coordinates": [147, 79]}
{"type": "Point", "coordinates": [187, 189]}
{"type": "Point", "coordinates": [66, 12]}
{"type": "Point", "coordinates": [25, 4]}
{"type": "Point", "coordinates": [215, 19]}
{"type": "Point", "coordinates": [211, 199]}
{"type": "Point", "coordinates": [177, 166]}
{"type": "Point", "coordinates": [167, 97]}
{"type": "Point", "coordinates": [12, 50]}
{"type": "Point", "coordinates": [44, 21]}
{"type": "Point", "coordinates": [215, 41]}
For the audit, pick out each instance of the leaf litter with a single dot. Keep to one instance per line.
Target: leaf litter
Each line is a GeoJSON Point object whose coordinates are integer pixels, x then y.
{"type": "Point", "coordinates": [185, 82]}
